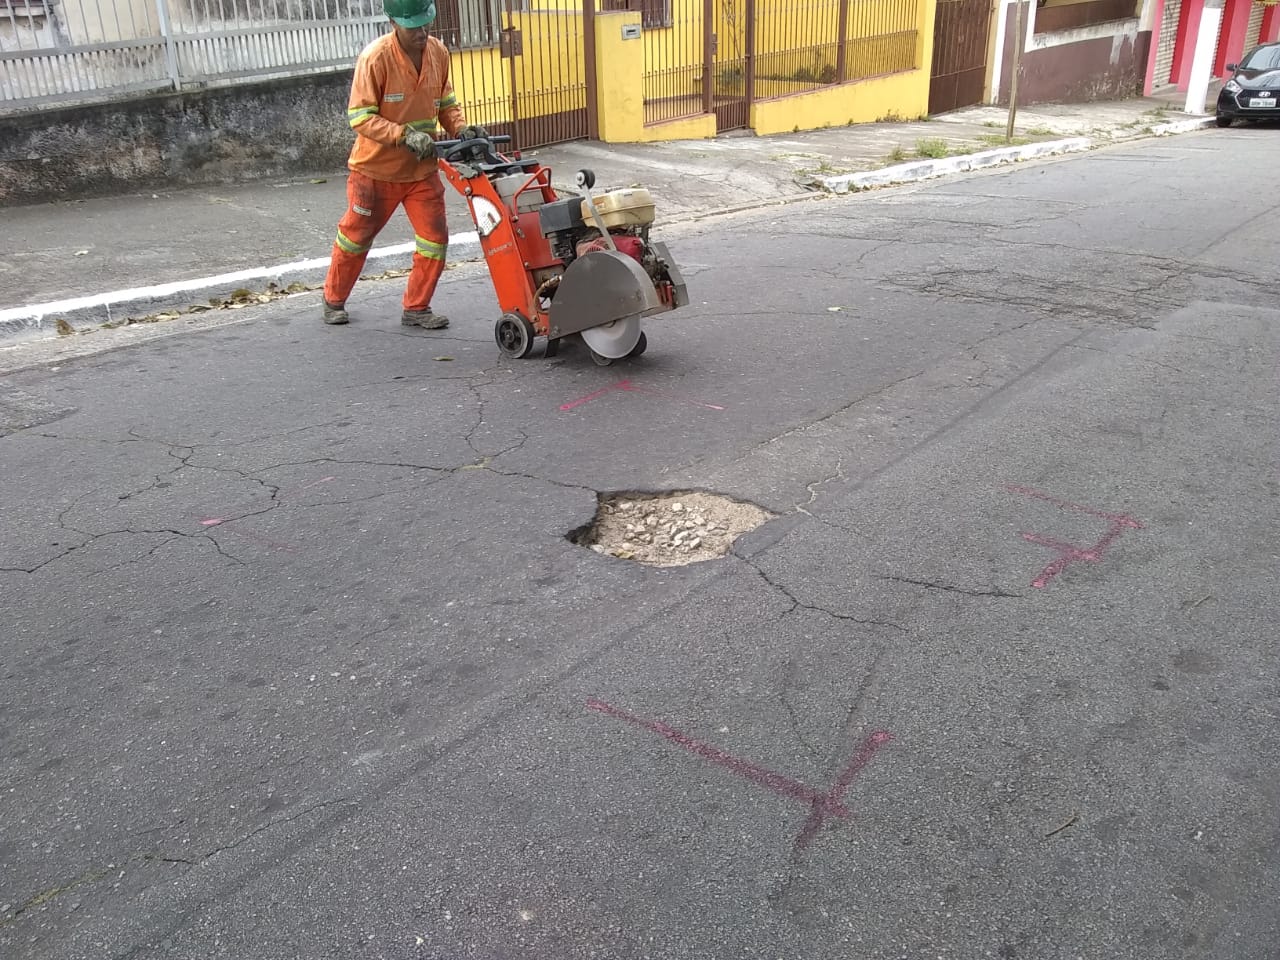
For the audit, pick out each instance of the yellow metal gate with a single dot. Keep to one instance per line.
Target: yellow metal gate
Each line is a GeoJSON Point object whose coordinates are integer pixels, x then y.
{"type": "Point", "coordinates": [520, 66]}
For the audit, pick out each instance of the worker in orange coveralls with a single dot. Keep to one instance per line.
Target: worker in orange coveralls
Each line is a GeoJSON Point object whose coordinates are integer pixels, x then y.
{"type": "Point", "coordinates": [400, 98]}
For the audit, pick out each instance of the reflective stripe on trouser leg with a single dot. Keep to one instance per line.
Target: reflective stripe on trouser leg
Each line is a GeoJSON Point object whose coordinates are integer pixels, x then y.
{"type": "Point", "coordinates": [424, 206]}
{"type": "Point", "coordinates": [370, 204]}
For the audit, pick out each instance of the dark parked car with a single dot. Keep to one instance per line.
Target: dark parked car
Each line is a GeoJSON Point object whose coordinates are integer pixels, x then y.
{"type": "Point", "coordinates": [1253, 90]}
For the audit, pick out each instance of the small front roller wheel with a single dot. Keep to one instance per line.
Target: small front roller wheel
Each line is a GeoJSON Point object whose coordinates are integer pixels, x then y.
{"type": "Point", "coordinates": [514, 336]}
{"type": "Point", "coordinates": [599, 359]}
{"type": "Point", "coordinates": [640, 346]}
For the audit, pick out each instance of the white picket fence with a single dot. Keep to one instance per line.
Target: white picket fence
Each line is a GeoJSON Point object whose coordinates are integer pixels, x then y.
{"type": "Point", "coordinates": [55, 52]}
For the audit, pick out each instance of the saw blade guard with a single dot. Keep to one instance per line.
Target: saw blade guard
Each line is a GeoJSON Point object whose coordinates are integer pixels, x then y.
{"type": "Point", "coordinates": [604, 289]}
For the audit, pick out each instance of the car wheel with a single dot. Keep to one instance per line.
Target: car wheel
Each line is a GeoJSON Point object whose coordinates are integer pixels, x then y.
{"type": "Point", "coordinates": [1222, 121]}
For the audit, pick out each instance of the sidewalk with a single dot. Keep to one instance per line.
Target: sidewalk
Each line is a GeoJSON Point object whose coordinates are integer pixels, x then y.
{"type": "Point", "coordinates": [281, 232]}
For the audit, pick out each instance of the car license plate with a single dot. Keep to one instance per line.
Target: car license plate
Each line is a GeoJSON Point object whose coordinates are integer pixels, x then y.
{"type": "Point", "coordinates": [1260, 103]}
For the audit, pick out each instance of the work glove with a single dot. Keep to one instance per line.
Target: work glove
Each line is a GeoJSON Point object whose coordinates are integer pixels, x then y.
{"type": "Point", "coordinates": [473, 131]}
{"type": "Point", "coordinates": [420, 143]}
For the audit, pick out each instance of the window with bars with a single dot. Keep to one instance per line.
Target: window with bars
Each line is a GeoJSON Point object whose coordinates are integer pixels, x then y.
{"type": "Point", "coordinates": [467, 23]}
{"type": "Point", "coordinates": [653, 13]}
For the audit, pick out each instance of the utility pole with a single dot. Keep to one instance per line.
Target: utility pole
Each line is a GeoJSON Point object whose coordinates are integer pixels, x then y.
{"type": "Point", "coordinates": [1202, 60]}
{"type": "Point", "coordinates": [1018, 38]}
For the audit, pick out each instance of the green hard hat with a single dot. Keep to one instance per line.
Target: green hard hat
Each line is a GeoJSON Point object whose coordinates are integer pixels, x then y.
{"type": "Point", "coordinates": [410, 13]}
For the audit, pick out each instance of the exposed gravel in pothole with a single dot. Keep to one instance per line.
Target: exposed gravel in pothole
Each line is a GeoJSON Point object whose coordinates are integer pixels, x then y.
{"type": "Point", "coordinates": [670, 529]}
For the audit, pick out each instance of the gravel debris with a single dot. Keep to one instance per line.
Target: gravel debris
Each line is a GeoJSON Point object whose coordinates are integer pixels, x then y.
{"type": "Point", "coordinates": [671, 529]}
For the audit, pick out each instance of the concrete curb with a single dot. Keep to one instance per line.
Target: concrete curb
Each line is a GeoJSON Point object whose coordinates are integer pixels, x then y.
{"type": "Point", "coordinates": [1182, 126]}
{"type": "Point", "coordinates": [118, 305]}
{"type": "Point", "coordinates": [918, 170]}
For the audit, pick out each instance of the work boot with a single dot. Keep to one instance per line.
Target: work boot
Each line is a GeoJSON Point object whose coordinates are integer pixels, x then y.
{"type": "Point", "coordinates": [335, 314]}
{"type": "Point", "coordinates": [424, 318]}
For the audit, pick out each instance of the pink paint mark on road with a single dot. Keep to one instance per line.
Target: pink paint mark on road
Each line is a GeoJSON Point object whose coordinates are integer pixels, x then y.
{"type": "Point", "coordinates": [582, 401]}
{"type": "Point", "coordinates": [823, 804]}
{"type": "Point", "coordinates": [1119, 518]}
{"type": "Point", "coordinates": [626, 386]}
{"type": "Point", "coordinates": [819, 813]}
{"type": "Point", "coordinates": [631, 387]}
{"type": "Point", "coordinates": [1069, 553]}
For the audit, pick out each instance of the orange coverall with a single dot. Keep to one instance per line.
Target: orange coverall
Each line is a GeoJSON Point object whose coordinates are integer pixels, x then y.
{"type": "Point", "coordinates": [388, 96]}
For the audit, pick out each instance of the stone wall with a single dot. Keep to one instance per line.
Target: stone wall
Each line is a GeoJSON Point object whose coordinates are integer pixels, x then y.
{"type": "Point", "coordinates": [246, 132]}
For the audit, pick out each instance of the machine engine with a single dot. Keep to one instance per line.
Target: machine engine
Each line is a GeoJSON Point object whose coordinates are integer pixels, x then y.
{"type": "Point", "coordinates": [627, 215]}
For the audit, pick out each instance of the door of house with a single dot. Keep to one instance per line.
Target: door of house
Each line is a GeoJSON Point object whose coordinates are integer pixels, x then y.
{"type": "Point", "coordinates": [1166, 43]}
{"type": "Point", "coordinates": [730, 60]}
{"type": "Point", "coordinates": [959, 74]}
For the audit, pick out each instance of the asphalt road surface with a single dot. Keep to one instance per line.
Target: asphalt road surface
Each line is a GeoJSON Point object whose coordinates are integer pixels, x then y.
{"type": "Point", "coordinates": [298, 662]}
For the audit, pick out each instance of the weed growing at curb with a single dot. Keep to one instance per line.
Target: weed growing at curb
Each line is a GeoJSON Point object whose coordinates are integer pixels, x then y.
{"type": "Point", "coordinates": [933, 148]}
{"type": "Point", "coordinates": [996, 140]}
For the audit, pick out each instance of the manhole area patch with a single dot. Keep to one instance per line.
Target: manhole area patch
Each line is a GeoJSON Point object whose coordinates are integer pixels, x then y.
{"type": "Point", "coordinates": [668, 529]}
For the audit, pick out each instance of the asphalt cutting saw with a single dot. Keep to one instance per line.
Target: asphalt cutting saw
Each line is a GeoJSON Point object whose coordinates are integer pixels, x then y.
{"type": "Point", "coordinates": [580, 265]}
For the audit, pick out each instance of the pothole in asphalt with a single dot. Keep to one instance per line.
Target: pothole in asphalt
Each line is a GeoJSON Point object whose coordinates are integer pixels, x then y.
{"type": "Point", "coordinates": [668, 529]}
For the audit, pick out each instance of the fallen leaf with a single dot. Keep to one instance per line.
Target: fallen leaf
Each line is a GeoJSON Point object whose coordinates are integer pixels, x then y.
{"type": "Point", "coordinates": [320, 180]}
{"type": "Point", "coordinates": [443, 359]}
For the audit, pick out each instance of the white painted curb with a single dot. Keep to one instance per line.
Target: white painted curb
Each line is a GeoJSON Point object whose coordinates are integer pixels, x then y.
{"type": "Point", "coordinates": [1182, 126]}
{"type": "Point", "coordinates": [140, 301]}
{"type": "Point", "coordinates": [927, 169]}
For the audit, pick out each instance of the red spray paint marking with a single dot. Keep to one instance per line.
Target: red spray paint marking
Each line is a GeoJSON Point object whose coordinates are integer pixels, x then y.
{"type": "Point", "coordinates": [1069, 553]}
{"type": "Point", "coordinates": [626, 386]}
{"type": "Point", "coordinates": [822, 804]}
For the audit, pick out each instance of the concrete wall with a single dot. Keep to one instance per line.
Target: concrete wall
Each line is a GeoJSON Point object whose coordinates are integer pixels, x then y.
{"type": "Point", "coordinates": [280, 128]}
{"type": "Point", "coordinates": [1106, 61]}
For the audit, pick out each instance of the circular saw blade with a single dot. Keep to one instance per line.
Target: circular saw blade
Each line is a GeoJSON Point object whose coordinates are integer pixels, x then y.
{"type": "Point", "coordinates": [615, 339]}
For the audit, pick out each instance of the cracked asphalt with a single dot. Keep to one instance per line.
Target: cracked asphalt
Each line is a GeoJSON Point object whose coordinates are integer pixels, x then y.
{"type": "Point", "coordinates": [298, 661]}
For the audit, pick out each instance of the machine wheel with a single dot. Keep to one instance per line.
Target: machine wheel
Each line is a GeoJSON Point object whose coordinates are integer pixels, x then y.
{"type": "Point", "coordinates": [514, 336]}
{"type": "Point", "coordinates": [1222, 121]}
{"type": "Point", "coordinates": [599, 359]}
{"type": "Point", "coordinates": [640, 346]}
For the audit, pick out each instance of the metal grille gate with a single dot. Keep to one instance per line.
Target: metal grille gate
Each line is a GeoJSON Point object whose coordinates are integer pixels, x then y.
{"type": "Point", "coordinates": [720, 56]}
{"type": "Point", "coordinates": [697, 59]}
{"type": "Point", "coordinates": [959, 73]}
{"type": "Point", "coordinates": [1167, 43]}
{"type": "Point", "coordinates": [531, 85]}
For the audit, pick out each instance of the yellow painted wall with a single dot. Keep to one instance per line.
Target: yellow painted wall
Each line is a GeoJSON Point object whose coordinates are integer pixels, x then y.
{"type": "Point", "coordinates": [905, 94]}
{"type": "Point", "coordinates": [796, 43]}
{"type": "Point", "coordinates": [482, 80]}
{"type": "Point", "coordinates": [701, 127]}
{"type": "Point", "coordinates": [550, 75]}
{"type": "Point", "coordinates": [862, 102]}
{"type": "Point", "coordinates": [618, 97]}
